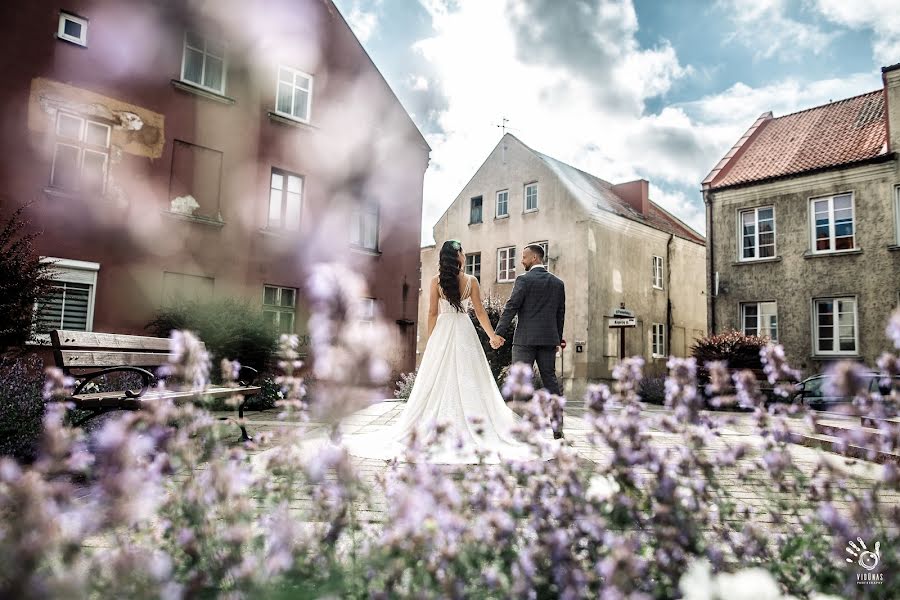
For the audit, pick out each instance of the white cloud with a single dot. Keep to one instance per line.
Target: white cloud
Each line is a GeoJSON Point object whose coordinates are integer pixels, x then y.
{"type": "Point", "coordinates": [880, 16]}
{"type": "Point", "coordinates": [363, 18]}
{"type": "Point", "coordinates": [764, 27]}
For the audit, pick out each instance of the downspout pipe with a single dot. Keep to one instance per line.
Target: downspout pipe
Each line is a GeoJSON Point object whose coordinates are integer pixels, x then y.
{"type": "Point", "coordinates": [710, 264]}
{"type": "Point", "coordinates": [669, 323]}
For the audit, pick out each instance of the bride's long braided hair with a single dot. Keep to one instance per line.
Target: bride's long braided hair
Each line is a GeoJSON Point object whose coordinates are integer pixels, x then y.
{"type": "Point", "coordinates": [448, 273]}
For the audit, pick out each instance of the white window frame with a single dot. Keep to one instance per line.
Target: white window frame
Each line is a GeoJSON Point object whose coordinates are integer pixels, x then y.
{"type": "Point", "coordinates": [278, 310]}
{"type": "Point", "coordinates": [72, 271]}
{"type": "Point", "coordinates": [82, 147]}
{"type": "Point", "coordinates": [470, 269]}
{"type": "Point", "coordinates": [206, 54]}
{"type": "Point", "coordinates": [504, 214]}
{"type": "Point", "coordinates": [836, 326]}
{"type": "Point", "coordinates": [294, 87]}
{"type": "Point", "coordinates": [367, 312]}
{"type": "Point", "coordinates": [758, 327]}
{"type": "Point", "coordinates": [756, 246]}
{"type": "Point", "coordinates": [832, 241]}
{"type": "Point", "coordinates": [503, 256]}
{"type": "Point", "coordinates": [368, 214]}
{"type": "Point", "coordinates": [61, 30]}
{"type": "Point", "coordinates": [659, 272]}
{"type": "Point", "coordinates": [282, 224]}
{"type": "Point", "coordinates": [533, 184]}
{"type": "Point", "coordinates": [658, 340]}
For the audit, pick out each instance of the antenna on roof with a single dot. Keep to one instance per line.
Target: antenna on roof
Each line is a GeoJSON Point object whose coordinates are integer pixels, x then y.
{"type": "Point", "coordinates": [502, 125]}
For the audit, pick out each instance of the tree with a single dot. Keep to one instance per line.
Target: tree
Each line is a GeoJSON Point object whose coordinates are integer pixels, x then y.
{"type": "Point", "coordinates": [23, 280]}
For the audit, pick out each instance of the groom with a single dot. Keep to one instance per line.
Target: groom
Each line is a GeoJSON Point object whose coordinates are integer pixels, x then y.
{"type": "Point", "coordinates": [539, 299]}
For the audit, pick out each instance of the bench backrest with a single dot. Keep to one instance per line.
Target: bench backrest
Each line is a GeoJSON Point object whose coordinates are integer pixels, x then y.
{"type": "Point", "coordinates": [88, 350]}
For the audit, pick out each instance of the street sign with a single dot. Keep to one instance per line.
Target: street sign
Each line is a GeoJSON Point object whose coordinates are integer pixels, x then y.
{"type": "Point", "coordinates": [623, 312]}
{"type": "Point", "coordinates": [623, 322]}
{"type": "Point", "coordinates": [562, 344]}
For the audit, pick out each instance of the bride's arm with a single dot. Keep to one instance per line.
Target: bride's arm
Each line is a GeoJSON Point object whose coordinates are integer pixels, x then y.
{"type": "Point", "coordinates": [432, 306]}
{"type": "Point", "coordinates": [480, 312]}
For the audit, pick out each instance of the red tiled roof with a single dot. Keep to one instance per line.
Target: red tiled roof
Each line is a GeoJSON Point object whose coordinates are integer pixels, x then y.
{"type": "Point", "coordinates": [839, 133]}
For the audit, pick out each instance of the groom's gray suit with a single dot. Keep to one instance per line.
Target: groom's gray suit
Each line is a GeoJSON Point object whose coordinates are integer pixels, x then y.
{"type": "Point", "coordinates": [539, 299]}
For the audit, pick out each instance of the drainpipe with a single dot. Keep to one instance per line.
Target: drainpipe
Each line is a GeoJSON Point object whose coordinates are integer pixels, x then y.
{"type": "Point", "coordinates": [669, 323]}
{"type": "Point", "coordinates": [710, 265]}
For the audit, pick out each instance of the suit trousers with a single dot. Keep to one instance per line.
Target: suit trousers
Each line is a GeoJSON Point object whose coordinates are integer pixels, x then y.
{"type": "Point", "coordinates": [545, 357]}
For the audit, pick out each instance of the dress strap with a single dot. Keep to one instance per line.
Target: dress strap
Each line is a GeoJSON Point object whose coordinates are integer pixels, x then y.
{"type": "Point", "coordinates": [468, 290]}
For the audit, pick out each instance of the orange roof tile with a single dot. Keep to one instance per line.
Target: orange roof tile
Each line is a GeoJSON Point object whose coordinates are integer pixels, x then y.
{"type": "Point", "coordinates": [840, 133]}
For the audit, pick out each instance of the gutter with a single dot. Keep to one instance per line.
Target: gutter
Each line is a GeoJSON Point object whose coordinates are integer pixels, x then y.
{"type": "Point", "coordinates": [710, 264]}
{"type": "Point", "coordinates": [669, 323]}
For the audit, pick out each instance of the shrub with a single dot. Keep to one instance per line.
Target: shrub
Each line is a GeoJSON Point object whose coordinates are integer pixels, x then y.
{"type": "Point", "coordinates": [536, 380]}
{"type": "Point", "coordinates": [21, 406]}
{"type": "Point", "coordinates": [738, 350]}
{"type": "Point", "coordinates": [405, 386]}
{"type": "Point", "coordinates": [502, 357]}
{"type": "Point", "coordinates": [230, 329]}
{"type": "Point", "coordinates": [23, 280]}
{"type": "Point", "coordinates": [653, 390]}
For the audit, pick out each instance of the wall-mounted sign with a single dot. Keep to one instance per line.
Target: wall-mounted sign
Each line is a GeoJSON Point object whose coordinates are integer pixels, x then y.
{"type": "Point", "coordinates": [623, 322]}
{"type": "Point", "coordinates": [623, 312]}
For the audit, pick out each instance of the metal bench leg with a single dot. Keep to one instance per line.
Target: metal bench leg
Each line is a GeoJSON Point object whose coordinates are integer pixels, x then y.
{"type": "Point", "coordinates": [244, 436]}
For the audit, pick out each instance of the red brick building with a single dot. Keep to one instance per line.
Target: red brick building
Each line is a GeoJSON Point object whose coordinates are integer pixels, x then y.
{"type": "Point", "coordinates": [206, 150]}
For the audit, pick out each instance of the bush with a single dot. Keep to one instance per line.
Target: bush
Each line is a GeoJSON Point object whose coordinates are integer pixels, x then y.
{"type": "Point", "coordinates": [21, 407]}
{"type": "Point", "coordinates": [23, 280]}
{"type": "Point", "coordinates": [738, 350]}
{"type": "Point", "coordinates": [230, 328]}
{"type": "Point", "coordinates": [536, 381]}
{"type": "Point", "coordinates": [501, 358]}
{"type": "Point", "coordinates": [405, 386]}
{"type": "Point", "coordinates": [653, 390]}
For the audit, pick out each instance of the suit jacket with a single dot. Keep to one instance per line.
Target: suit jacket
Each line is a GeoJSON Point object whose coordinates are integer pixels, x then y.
{"type": "Point", "coordinates": [539, 300]}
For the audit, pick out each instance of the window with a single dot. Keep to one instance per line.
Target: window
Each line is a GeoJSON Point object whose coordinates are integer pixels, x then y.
{"type": "Point", "coordinates": [658, 272]}
{"type": "Point", "coordinates": [367, 311]}
{"type": "Point", "coordinates": [833, 225]}
{"type": "Point", "coordinates": [181, 287]}
{"type": "Point", "coordinates": [506, 264]}
{"type": "Point", "coordinates": [473, 265]}
{"type": "Point", "coordinates": [293, 95]}
{"type": "Point", "coordinates": [70, 303]}
{"type": "Point", "coordinates": [758, 233]}
{"type": "Point", "coordinates": [531, 197]}
{"type": "Point", "coordinates": [203, 62]}
{"type": "Point", "coordinates": [760, 318]}
{"type": "Point", "coordinates": [279, 307]}
{"type": "Point", "coordinates": [835, 329]}
{"type": "Point", "coordinates": [80, 154]}
{"type": "Point", "coordinates": [285, 196]}
{"type": "Point", "coordinates": [196, 174]}
{"type": "Point", "coordinates": [503, 203]}
{"type": "Point", "coordinates": [72, 29]}
{"type": "Point", "coordinates": [364, 226]}
{"type": "Point", "coordinates": [475, 211]}
{"type": "Point", "coordinates": [658, 340]}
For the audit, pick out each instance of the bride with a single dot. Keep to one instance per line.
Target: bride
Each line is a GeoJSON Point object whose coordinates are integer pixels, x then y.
{"type": "Point", "coordinates": [454, 384]}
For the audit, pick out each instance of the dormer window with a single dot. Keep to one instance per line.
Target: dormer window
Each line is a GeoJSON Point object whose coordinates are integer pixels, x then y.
{"type": "Point", "coordinates": [72, 29]}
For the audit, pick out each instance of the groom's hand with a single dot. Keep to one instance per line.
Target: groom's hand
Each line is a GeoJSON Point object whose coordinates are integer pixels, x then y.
{"type": "Point", "coordinates": [497, 342]}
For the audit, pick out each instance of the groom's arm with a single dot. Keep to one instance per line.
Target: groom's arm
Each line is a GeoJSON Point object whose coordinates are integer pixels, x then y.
{"type": "Point", "coordinates": [561, 312]}
{"type": "Point", "coordinates": [512, 307]}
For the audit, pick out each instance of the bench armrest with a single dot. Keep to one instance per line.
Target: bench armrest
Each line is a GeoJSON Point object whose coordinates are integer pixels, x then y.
{"type": "Point", "coordinates": [146, 379]}
{"type": "Point", "coordinates": [250, 377]}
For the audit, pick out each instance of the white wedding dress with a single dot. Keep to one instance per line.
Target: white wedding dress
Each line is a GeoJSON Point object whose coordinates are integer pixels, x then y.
{"type": "Point", "coordinates": [454, 383]}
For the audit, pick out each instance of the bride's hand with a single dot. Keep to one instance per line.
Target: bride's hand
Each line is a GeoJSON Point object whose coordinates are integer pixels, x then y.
{"type": "Point", "coordinates": [497, 341]}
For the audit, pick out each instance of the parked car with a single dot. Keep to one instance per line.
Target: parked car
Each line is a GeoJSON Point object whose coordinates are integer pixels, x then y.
{"type": "Point", "coordinates": [817, 393]}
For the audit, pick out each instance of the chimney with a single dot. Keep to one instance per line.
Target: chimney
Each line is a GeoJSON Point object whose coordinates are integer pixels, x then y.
{"type": "Point", "coordinates": [636, 194]}
{"type": "Point", "coordinates": [891, 78]}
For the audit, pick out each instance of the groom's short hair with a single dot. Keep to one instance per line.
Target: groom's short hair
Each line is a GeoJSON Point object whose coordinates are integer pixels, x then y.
{"type": "Point", "coordinates": [537, 249]}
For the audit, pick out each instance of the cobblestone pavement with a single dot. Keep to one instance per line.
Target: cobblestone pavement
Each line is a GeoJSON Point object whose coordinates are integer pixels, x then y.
{"type": "Point", "coordinates": [576, 430]}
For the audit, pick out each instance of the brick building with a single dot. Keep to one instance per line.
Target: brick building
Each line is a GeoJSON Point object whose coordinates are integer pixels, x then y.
{"type": "Point", "coordinates": [206, 150]}
{"type": "Point", "coordinates": [803, 228]}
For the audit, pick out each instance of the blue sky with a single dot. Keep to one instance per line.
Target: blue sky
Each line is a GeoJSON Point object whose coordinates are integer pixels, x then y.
{"type": "Point", "coordinates": [652, 88]}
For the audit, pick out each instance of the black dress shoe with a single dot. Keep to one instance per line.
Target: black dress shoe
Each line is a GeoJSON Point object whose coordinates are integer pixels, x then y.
{"type": "Point", "coordinates": [557, 435]}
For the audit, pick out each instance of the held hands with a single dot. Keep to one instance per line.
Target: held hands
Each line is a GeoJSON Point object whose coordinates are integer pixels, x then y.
{"type": "Point", "coordinates": [497, 341]}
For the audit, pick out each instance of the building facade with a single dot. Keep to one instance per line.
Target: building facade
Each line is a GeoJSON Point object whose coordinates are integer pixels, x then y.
{"type": "Point", "coordinates": [610, 244]}
{"type": "Point", "coordinates": [803, 226]}
{"type": "Point", "coordinates": [180, 150]}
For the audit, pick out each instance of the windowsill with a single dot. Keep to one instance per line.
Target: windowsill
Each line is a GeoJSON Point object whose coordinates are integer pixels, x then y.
{"type": "Point", "coordinates": [528, 212]}
{"type": "Point", "coordinates": [362, 250]}
{"type": "Point", "coordinates": [809, 254]}
{"type": "Point", "coordinates": [508, 281]}
{"type": "Point", "coordinates": [835, 357]}
{"type": "Point", "coordinates": [287, 120]}
{"type": "Point", "coordinates": [501, 217]}
{"type": "Point", "coordinates": [194, 219]}
{"type": "Point", "coordinates": [185, 86]}
{"type": "Point", "coordinates": [893, 247]}
{"type": "Point", "coordinates": [73, 42]}
{"type": "Point", "coordinates": [61, 193]}
{"type": "Point", "coordinates": [478, 223]}
{"type": "Point", "coordinates": [278, 233]}
{"type": "Point", "coordinates": [756, 261]}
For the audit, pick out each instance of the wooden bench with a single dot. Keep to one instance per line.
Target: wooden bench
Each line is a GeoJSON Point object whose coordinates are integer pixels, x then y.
{"type": "Point", "coordinates": [86, 356]}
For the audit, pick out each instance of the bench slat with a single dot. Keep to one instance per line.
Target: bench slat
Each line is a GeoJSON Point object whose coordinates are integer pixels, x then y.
{"type": "Point", "coordinates": [118, 399]}
{"type": "Point", "coordinates": [87, 359]}
{"type": "Point", "coordinates": [90, 340]}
